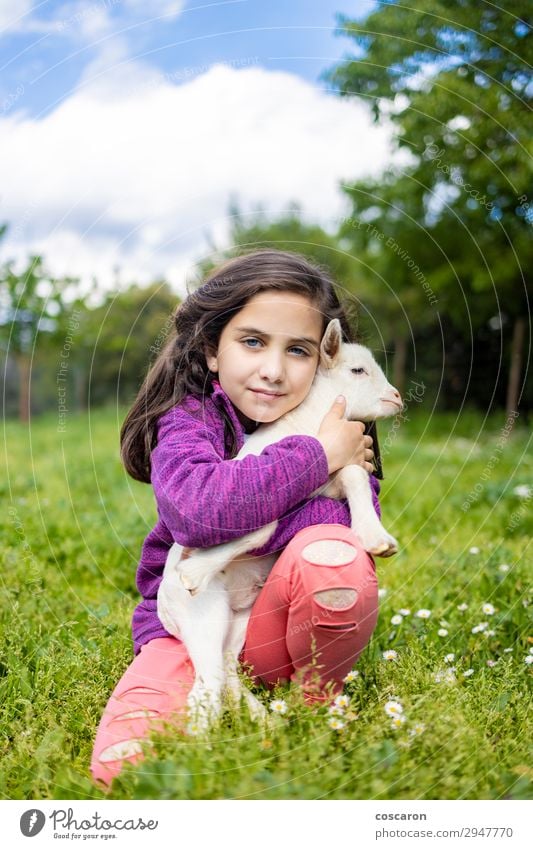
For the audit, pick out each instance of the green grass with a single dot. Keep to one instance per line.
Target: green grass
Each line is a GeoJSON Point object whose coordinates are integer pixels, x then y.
{"type": "Point", "coordinates": [73, 528]}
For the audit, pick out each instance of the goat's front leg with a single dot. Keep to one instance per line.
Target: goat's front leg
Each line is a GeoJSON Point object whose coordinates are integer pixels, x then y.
{"type": "Point", "coordinates": [375, 539]}
{"type": "Point", "coordinates": [203, 563]}
{"type": "Point", "coordinates": [232, 648]}
{"type": "Point", "coordinates": [202, 624]}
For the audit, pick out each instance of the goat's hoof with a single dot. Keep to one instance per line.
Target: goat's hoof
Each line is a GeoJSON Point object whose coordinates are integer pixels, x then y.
{"type": "Point", "coordinates": [386, 548]}
{"type": "Point", "coordinates": [204, 707]}
{"type": "Point", "coordinates": [378, 542]}
{"type": "Point", "coordinates": [257, 710]}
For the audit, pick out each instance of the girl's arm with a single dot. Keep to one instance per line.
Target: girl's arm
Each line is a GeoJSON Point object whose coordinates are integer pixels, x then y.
{"type": "Point", "coordinates": [205, 500]}
{"type": "Point", "coordinates": [319, 510]}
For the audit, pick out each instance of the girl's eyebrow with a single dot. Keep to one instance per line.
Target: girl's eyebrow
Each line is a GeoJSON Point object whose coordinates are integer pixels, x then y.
{"type": "Point", "coordinates": [257, 332]}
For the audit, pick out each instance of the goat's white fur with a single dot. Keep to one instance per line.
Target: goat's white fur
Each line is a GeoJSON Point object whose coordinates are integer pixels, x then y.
{"type": "Point", "coordinates": [205, 600]}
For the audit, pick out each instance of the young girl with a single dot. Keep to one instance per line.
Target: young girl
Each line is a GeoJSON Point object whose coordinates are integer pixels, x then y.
{"type": "Point", "coordinates": [245, 351]}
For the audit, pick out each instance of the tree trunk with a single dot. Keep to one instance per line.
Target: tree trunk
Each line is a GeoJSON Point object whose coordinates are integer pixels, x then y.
{"type": "Point", "coordinates": [400, 360]}
{"type": "Point", "coordinates": [24, 370]}
{"type": "Point", "coordinates": [515, 367]}
{"type": "Point", "coordinates": [80, 388]}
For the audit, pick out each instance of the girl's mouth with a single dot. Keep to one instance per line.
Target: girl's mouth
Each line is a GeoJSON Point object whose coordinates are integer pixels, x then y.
{"type": "Point", "coordinates": [270, 396]}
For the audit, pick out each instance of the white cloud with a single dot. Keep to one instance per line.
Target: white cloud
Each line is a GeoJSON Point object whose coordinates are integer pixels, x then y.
{"type": "Point", "coordinates": [12, 15]}
{"type": "Point", "coordinates": [156, 8]}
{"type": "Point", "coordinates": [84, 19]}
{"type": "Point", "coordinates": [134, 171]}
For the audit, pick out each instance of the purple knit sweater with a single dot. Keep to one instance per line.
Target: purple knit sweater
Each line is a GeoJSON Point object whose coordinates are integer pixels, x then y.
{"type": "Point", "coordinates": [205, 498]}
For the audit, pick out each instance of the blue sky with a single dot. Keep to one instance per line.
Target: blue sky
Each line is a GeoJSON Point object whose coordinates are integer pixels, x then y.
{"type": "Point", "coordinates": [47, 49]}
{"type": "Point", "coordinates": [128, 126]}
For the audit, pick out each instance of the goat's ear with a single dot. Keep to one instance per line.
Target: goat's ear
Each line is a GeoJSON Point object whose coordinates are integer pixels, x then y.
{"type": "Point", "coordinates": [331, 344]}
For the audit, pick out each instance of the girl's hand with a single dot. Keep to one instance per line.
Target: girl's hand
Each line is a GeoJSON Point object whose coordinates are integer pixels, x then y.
{"type": "Point", "coordinates": [344, 442]}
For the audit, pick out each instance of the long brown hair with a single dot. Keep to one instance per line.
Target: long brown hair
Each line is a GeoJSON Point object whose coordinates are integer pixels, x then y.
{"type": "Point", "coordinates": [181, 368]}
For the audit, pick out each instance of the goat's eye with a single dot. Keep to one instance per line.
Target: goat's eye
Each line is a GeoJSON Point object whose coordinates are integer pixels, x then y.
{"type": "Point", "coordinates": [358, 371]}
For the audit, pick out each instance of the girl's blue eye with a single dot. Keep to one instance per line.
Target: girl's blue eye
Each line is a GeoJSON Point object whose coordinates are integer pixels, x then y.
{"type": "Point", "coordinates": [302, 351]}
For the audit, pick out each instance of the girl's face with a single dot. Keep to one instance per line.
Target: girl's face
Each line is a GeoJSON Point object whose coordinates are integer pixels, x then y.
{"type": "Point", "coordinates": [267, 356]}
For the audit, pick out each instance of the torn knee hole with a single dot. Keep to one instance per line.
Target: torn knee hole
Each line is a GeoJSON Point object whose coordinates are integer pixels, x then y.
{"type": "Point", "coordinates": [339, 598]}
{"type": "Point", "coordinates": [124, 749]}
{"type": "Point", "coordinates": [332, 626]}
{"type": "Point", "coordinates": [329, 552]}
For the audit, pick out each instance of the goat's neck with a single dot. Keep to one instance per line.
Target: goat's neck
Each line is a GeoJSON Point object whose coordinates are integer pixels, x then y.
{"type": "Point", "coordinates": [307, 416]}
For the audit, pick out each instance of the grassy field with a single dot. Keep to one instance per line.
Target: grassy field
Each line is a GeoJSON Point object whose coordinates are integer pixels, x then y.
{"type": "Point", "coordinates": [72, 531]}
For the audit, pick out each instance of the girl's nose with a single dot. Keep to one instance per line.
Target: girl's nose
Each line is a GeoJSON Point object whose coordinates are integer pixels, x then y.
{"type": "Point", "coordinates": [272, 369]}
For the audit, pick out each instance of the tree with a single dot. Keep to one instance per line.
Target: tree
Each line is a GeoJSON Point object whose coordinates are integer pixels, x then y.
{"type": "Point", "coordinates": [455, 81]}
{"type": "Point", "coordinates": [396, 259]}
{"type": "Point", "coordinates": [31, 308]}
{"type": "Point", "coordinates": [120, 338]}
{"type": "Point", "coordinates": [288, 232]}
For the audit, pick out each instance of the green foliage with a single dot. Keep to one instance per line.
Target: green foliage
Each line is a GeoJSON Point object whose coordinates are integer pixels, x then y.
{"type": "Point", "coordinates": [288, 232]}
{"type": "Point", "coordinates": [121, 337]}
{"type": "Point", "coordinates": [73, 532]}
{"type": "Point", "coordinates": [31, 303]}
{"type": "Point", "coordinates": [455, 82]}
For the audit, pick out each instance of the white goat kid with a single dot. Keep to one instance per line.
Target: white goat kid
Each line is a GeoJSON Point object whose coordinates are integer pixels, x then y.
{"type": "Point", "coordinates": [205, 600]}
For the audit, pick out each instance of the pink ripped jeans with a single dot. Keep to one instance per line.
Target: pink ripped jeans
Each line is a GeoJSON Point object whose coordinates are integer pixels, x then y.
{"type": "Point", "coordinates": [321, 590]}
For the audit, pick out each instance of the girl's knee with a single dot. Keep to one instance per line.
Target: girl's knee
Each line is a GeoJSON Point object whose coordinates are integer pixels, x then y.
{"type": "Point", "coordinates": [331, 546]}
{"type": "Point", "coordinates": [339, 598]}
{"type": "Point", "coordinates": [334, 567]}
{"type": "Point", "coordinates": [327, 545]}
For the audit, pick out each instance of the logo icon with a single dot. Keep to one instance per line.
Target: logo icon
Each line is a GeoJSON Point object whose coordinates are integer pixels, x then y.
{"type": "Point", "coordinates": [32, 822]}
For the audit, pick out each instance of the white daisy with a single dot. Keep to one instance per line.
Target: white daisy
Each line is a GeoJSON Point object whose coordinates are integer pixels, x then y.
{"type": "Point", "coordinates": [523, 491]}
{"type": "Point", "coordinates": [397, 721]}
{"type": "Point", "coordinates": [467, 673]}
{"type": "Point", "coordinates": [404, 611]}
{"type": "Point", "coordinates": [397, 619]}
{"type": "Point", "coordinates": [490, 633]}
{"type": "Point", "coordinates": [528, 659]}
{"type": "Point", "coordinates": [393, 708]}
{"type": "Point", "coordinates": [423, 613]}
{"type": "Point", "coordinates": [462, 606]}
{"type": "Point", "coordinates": [474, 550]}
{"type": "Point", "coordinates": [442, 632]}
{"type": "Point", "coordinates": [390, 654]}
{"type": "Point", "coordinates": [382, 592]}
{"type": "Point", "coordinates": [491, 663]}
{"type": "Point", "coordinates": [508, 650]}
{"type": "Point", "coordinates": [335, 710]}
{"type": "Point", "coordinates": [531, 650]}
{"type": "Point", "coordinates": [445, 675]}
{"type": "Point", "coordinates": [481, 627]}
{"type": "Point", "coordinates": [488, 609]}
{"type": "Point", "coordinates": [504, 567]}
{"type": "Point", "coordinates": [417, 729]}
{"type": "Point", "coordinates": [278, 706]}
{"type": "Point", "coordinates": [342, 701]}
{"type": "Point", "coordinates": [336, 724]}
{"type": "Point", "coordinates": [449, 658]}
{"type": "Point", "coordinates": [351, 676]}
